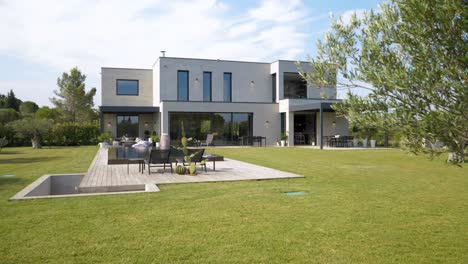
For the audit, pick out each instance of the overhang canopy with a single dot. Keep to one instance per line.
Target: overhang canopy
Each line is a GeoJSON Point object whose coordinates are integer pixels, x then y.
{"type": "Point", "coordinates": [326, 107]}
{"type": "Point", "coordinates": [129, 109]}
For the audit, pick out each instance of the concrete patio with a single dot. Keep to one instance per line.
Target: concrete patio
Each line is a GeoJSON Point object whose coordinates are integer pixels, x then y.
{"type": "Point", "coordinates": [102, 177]}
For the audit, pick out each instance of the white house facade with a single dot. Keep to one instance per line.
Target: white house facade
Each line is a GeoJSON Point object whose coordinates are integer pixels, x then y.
{"type": "Point", "coordinates": [234, 100]}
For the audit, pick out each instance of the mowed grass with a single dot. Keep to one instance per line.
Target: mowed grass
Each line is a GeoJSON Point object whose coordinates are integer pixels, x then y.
{"type": "Point", "coordinates": [369, 206]}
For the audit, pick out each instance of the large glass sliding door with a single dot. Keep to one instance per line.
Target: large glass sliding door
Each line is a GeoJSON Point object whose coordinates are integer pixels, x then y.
{"type": "Point", "coordinates": [241, 125]}
{"type": "Point", "coordinates": [196, 125]}
{"type": "Point", "coordinates": [226, 127]}
{"type": "Point", "coordinates": [222, 128]}
{"type": "Point", "coordinates": [127, 125]}
{"type": "Point", "coordinates": [304, 128]}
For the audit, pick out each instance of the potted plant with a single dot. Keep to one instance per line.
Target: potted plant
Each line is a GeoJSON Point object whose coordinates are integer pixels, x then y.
{"type": "Point", "coordinates": [147, 134]}
{"type": "Point", "coordinates": [355, 132]}
{"type": "Point", "coordinates": [155, 139]}
{"type": "Point", "coordinates": [284, 137]}
{"type": "Point", "coordinates": [278, 143]}
{"type": "Point", "coordinates": [369, 133]}
{"type": "Point", "coordinates": [105, 139]}
{"type": "Point", "coordinates": [192, 168]}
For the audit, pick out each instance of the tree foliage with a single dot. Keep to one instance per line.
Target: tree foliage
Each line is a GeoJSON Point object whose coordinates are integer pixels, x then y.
{"type": "Point", "coordinates": [10, 101]}
{"type": "Point", "coordinates": [73, 102]}
{"type": "Point", "coordinates": [8, 115]}
{"type": "Point", "coordinates": [46, 112]}
{"type": "Point", "coordinates": [412, 57]}
{"type": "Point", "coordinates": [28, 108]}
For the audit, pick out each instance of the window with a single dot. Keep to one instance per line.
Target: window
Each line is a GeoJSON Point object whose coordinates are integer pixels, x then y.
{"type": "Point", "coordinates": [127, 87]}
{"type": "Point", "coordinates": [283, 123]}
{"type": "Point", "coordinates": [207, 86]}
{"type": "Point", "coordinates": [295, 87]}
{"type": "Point", "coordinates": [182, 85]}
{"type": "Point", "coordinates": [227, 85]}
{"type": "Point", "coordinates": [273, 87]}
{"type": "Point", "coordinates": [127, 126]}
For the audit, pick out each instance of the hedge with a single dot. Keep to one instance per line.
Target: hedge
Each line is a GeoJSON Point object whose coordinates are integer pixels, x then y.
{"type": "Point", "coordinates": [72, 135]}
{"type": "Point", "coordinates": [60, 135]}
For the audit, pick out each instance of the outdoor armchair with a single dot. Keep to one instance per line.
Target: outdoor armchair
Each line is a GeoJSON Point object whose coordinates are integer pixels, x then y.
{"type": "Point", "coordinates": [208, 141]}
{"type": "Point", "coordinates": [159, 158]}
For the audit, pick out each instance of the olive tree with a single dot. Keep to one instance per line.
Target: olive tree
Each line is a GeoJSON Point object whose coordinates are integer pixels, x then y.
{"type": "Point", "coordinates": [32, 128]}
{"type": "Point", "coordinates": [412, 58]}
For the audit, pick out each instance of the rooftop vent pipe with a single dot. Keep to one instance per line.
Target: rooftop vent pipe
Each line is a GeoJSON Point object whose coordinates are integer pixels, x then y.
{"type": "Point", "coordinates": [163, 53]}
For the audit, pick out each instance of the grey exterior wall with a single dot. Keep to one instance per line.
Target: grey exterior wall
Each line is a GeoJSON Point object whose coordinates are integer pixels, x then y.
{"type": "Point", "coordinates": [251, 82]}
{"type": "Point", "coordinates": [109, 78]}
{"type": "Point", "coordinates": [341, 125]}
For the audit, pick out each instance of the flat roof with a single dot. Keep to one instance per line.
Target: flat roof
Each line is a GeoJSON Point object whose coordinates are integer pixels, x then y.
{"type": "Point", "coordinates": [200, 59]}
{"type": "Point", "coordinates": [124, 68]}
{"type": "Point", "coordinates": [239, 61]}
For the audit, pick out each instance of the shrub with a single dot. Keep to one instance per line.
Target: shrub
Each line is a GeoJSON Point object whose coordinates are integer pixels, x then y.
{"type": "Point", "coordinates": [3, 143]}
{"type": "Point", "coordinates": [180, 169]}
{"type": "Point", "coordinates": [192, 169]}
{"type": "Point", "coordinates": [105, 137]}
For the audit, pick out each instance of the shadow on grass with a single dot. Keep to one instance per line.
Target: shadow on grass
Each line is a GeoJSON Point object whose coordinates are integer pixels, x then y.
{"type": "Point", "coordinates": [28, 160]}
{"type": "Point", "coordinates": [7, 152]}
{"type": "Point", "coordinates": [10, 180]}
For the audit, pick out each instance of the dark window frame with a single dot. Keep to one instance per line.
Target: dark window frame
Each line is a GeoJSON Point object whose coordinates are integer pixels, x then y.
{"type": "Point", "coordinates": [211, 114]}
{"type": "Point", "coordinates": [188, 85]}
{"type": "Point", "coordinates": [306, 86]}
{"type": "Point", "coordinates": [283, 122]}
{"type": "Point", "coordinates": [273, 87]}
{"type": "Point", "coordinates": [211, 86]}
{"type": "Point", "coordinates": [117, 87]}
{"type": "Point", "coordinates": [126, 115]}
{"type": "Point", "coordinates": [230, 86]}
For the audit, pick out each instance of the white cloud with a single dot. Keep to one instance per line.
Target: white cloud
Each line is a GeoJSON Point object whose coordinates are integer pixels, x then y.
{"type": "Point", "coordinates": [127, 33]}
{"type": "Point", "coordinates": [347, 15]}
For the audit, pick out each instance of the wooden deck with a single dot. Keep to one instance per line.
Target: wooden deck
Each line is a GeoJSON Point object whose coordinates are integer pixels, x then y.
{"type": "Point", "coordinates": [102, 177]}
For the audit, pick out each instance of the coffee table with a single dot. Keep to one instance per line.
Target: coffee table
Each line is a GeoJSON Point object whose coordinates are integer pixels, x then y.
{"type": "Point", "coordinates": [213, 158]}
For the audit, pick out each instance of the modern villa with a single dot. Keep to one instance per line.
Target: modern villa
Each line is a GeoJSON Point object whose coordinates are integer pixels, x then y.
{"type": "Point", "coordinates": [232, 100]}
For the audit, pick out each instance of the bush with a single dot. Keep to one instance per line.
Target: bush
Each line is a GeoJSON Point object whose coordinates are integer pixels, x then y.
{"type": "Point", "coordinates": [13, 140]}
{"type": "Point", "coordinates": [105, 137]}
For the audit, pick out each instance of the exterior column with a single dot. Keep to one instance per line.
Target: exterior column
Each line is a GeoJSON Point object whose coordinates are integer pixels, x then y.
{"type": "Point", "coordinates": [164, 121]}
{"type": "Point", "coordinates": [290, 128]}
{"type": "Point", "coordinates": [321, 126]}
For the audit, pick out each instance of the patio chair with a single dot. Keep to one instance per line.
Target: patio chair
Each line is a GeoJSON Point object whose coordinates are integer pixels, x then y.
{"type": "Point", "coordinates": [208, 141]}
{"type": "Point", "coordinates": [299, 139]}
{"type": "Point", "coordinates": [196, 156]}
{"type": "Point", "coordinates": [159, 158]}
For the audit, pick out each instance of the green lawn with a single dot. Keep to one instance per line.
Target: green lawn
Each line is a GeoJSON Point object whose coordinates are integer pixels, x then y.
{"type": "Point", "coordinates": [380, 206]}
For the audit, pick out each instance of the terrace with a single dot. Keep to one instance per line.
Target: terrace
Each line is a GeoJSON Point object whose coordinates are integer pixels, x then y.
{"type": "Point", "coordinates": [104, 177]}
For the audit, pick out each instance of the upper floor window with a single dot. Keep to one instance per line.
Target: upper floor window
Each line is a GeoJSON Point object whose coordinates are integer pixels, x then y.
{"type": "Point", "coordinates": [273, 87]}
{"type": "Point", "coordinates": [295, 87]}
{"type": "Point", "coordinates": [182, 85]}
{"type": "Point", "coordinates": [227, 87]}
{"type": "Point", "coordinates": [127, 87]}
{"type": "Point", "coordinates": [207, 86]}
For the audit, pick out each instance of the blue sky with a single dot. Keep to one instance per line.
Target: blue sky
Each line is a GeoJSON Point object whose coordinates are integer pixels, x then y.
{"type": "Point", "coordinates": [42, 39]}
